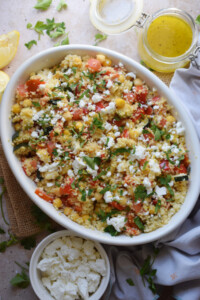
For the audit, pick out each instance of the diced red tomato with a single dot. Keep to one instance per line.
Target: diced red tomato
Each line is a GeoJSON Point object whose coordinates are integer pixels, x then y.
{"type": "Point", "coordinates": [138, 114]}
{"type": "Point", "coordinates": [43, 195]}
{"type": "Point", "coordinates": [71, 201]}
{"type": "Point", "coordinates": [34, 163]}
{"type": "Point", "coordinates": [148, 135]}
{"type": "Point", "coordinates": [163, 122]}
{"type": "Point", "coordinates": [186, 160]}
{"type": "Point", "coordinates": [164, 165]}
{"type": "Point", "coordinates": [125, 133]}
{"type": "Point", "coordinates": [67, 188]}
{"type": "Point", "coordinates": [116, 205]}
{"type": "Point", "coordinates": [50, 147]}
{"type": "Point", "coordinates": [22, 91]}
{"type": "Point", "coordinates": [137, 207]}
{"type": "Point", "coordinates": [148, 110]}
{"type": "Point", "coordinates": [99, 106]}
{"type": "Point", "coordinates": [77, 114]}
{"type": "Point", "coordinates": [155, 99]}
{"type": "Point", "coordinates": [33, 84]}
{"type": "Point", "coordinates": [141, 94]}
{"type": "Point", "coordinates": [181, 169]}
{"type": "Point", "coordinates": [130, 97]}
{"type": "Point", "coordinates": [94, 65]}
{"type": "Point", "coordinates": [132, 231]}
{"type": "Point", "coordinates": [114, 76]}
{"type": "Point", "coordinates": [142, 161]}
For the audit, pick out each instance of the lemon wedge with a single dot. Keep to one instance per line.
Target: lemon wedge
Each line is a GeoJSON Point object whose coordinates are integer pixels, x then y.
{"type": "Point", "coordinates": [4, 78]}
{"type": "Point", "coordinates": [8, 47]}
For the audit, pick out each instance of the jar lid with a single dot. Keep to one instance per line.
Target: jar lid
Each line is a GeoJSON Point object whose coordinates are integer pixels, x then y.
{"type": "Point", "coordinates": [115, 16]}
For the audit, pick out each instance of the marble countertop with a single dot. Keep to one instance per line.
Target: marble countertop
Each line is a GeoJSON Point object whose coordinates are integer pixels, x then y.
{"type": "Point", "coordinates": [14, 15]}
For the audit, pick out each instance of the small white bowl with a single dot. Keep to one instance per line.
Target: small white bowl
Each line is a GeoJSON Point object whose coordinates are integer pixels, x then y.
{"type": "Point", "coordinates": [35, 274]}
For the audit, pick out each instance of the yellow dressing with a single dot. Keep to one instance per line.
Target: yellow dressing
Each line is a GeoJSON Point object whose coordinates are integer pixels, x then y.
{"type": "Point", "coordinates": [169, 36]}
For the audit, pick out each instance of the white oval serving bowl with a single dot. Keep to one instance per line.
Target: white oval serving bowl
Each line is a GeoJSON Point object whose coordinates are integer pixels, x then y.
{"type": "Point", "coordinates": [35, 274]}
{"type": "Point", "coordinates": [53, 56]}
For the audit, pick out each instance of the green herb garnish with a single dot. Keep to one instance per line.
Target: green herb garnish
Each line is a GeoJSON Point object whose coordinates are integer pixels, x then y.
{"type": "Point", "coordinates": [28, 242]}
{"type": "Point", "coordinates": [139, 223]}
{"type": "Point", "coordinates": [111, 229]}
{"type": "Point", "coordinates": [61, 5]}
{"type": "Point", "coordinates": [99, 38]}
{"type": "Point", "coordinates": [140, 193]}
{"type": "Point", "coordinates": [130, 281]}
{"type": "Point", "coordinates": [21, 280]}
{"type": "Point", "coordinates": [30, 44]}
{"type": "Point", "coordinates": [198, 20]}
{"type": "Point", "coordinates": [43, 4]}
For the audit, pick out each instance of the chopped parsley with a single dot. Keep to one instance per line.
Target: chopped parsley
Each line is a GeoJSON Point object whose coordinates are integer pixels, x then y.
{"type": "Point", "coordinates": [140, 193]}
{"type": "Point", "coordinates": [99, 38]}
{"type": "Point", "coordinates": [21, 280]}
{"type": "Point", "coordinates": [111, 229]}
{"type": "Point", "coordinates": [139, 223]}
{"type": "Point", "coordinates": [43, 4]}
{"type": "Point", "coordinates": [61, 5]}
{"type": "Point", "coordinates": [103, 215]}
{"type": "Point", "coordinates": [130, 281]}
{"type": "Point", "coordinates": [92, 161]}
{"type": "Point", "coordinates": [122, 150]}
{"type": "Point", "coordinates": [158, 206]}
{"type": "Point", "coordinates": [30, 44]}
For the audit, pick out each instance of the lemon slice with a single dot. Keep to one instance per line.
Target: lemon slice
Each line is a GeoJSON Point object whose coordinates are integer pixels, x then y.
{"type": "Point", "coordinates": [8, 47]}
{"type": "Point", "coordinates": [4, 78]}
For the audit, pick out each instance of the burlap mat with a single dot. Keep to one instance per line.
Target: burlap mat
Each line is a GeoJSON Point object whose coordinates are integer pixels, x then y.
{"type": "Point", "coordinates": [22, 222]}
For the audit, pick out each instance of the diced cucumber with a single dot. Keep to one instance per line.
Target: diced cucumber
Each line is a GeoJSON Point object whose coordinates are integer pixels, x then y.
{"type": "Point", "coordinates": [181, 178]}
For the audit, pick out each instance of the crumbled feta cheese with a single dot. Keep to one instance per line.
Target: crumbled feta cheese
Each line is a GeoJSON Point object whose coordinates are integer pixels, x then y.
{"type": "Point", "coordinates": [117, 222]}
{"type": "Point", "coordinates": [71, 268]}
{"type": "Point", "coordinates": [35, 134]}
{"type": "Point", "coordinates": [108, 197]}
{"type": "Point", "coordinates": [120, 64]}
{"type": "Point", "coordinates": [70, 173]}
{"type": "Point", "coordinates": [42, 87]}
{"type": "Point", "coordinates": [179, 128]}
{"type": "Point", "coordinates": [155, 168]}
{"type": "Point", "coordinates": [131, 74]}
{"type": "Point", "coordinates": [165, 147]}
{"type": "Point", "coordinates": [49, 167]}
{"type": "Point", "coordinates": [139, 153]}
{"type": "Point", "coordinates": [108, 174]}
{"type": "Point", "coordinates": [107, 126]}
{"type": "Point", "coordinates": [106, 92]}
{"type": "Point", "coordinates": [91, 107]}
{"type": "Point", "coordinates": [109, 84]}
{"type": "Point", "coordinates": [82, 103]}
{"type": "Point", "coordinates": [78, 164]}
{"type": "Point", "coordinates": [68, 72]}
{"type": "Point", "coordinates": [38, 114]}
{"type": "Point", "coordinates": [160, 191]}
{"type": "Point", "coordinates": [49, 184]}
{"type": "Point", "coordinates": [97, 97]}
{"type": "Point", "coordinates": [117, 134]}
{"type": "Point", "coordinates": [109, 109]}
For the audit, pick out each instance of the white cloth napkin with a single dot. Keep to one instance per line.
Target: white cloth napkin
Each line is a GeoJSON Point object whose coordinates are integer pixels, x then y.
{"type": "Point", "coordinates": [178, 261]}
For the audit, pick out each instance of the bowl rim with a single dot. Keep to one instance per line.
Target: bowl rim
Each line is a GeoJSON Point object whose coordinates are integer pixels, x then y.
{"type": "Point", "coordinates": [35, 280]}
{"type": "Point", "coordinates": [154, 81]}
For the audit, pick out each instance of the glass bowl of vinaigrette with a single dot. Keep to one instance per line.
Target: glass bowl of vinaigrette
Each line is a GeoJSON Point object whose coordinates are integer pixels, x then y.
{"type": "Point", "coordinates": [168, 39]}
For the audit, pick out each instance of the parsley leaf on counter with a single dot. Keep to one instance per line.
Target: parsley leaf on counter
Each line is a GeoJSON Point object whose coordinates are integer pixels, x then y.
{"type": "Point", "coordinates": [29, 26]}
{"type": "Point", "coordinates": [61, 5]}
{"type": "Point", "coordinates": [198, 20]}
{"type": "Point", "coordinates": [5, 244]}
{"type": "Point", "coordinates": [43, 4]}
{"type": "Point", "coordinates": [99, 38]}
{"type": "Point", "coordinates": [147, 272]}
{"type": "Point", "coordinates": [130, 281]}
{"type": "Point", "coordinates": [28, 242]}
{"type": "Point", "coordinates": [21, 279]}
{"type": "Point", "coordinates": [30, 44]}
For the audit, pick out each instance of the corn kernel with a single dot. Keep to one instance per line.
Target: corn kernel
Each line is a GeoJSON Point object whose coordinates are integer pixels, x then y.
{"type": "Point", "coordinates": [79, 125]}
{"type": "Point", "coordinates": [17, 127]}
{"type": "Point", "coordinates": [43, 155]}
{"type": "Point", "coordinates": [16, 108]}
{"type": "Point", "coordinates": [107, 62]}
{"type": "Point", "coordinates": [108, 209]}
{"type": "Point", "coordinates": [170, 119]}
{"type": "Point", "coordinates": [98, 196]}
{"type": "Point", "coordinates": [121, 78]}
{"type": "Point", "coordinates": [120, 102]}
{"type": "Point", "coordinates": [57, 203]}
{"type": "Point", "coordinates": [27, 103]}
{"type": "Point", "coordinates": [85, 217]}
{"type": "Point", "coordinates": [138, 82]}
{"type": "Point", "coordinates": [123, 201]}
{"type": "Point", "coordinates": [151, 209]}
{"type": "Point", "coordinates": [101, 58]}
{"type": "Point", "coordinates": [67, 116]}
{"type": "Point", "coordinates": [26, 112]}
{"type": "Point", "coordinates": [67, 211]}
{"type": "Point", "coordinates": [66, 132]}
{"type": "Point", "coordinates": [75, 217]}
{"type": "Point", "coordinates": [77, 62]}
{"type": "Point", "coordinates": [133, 134]}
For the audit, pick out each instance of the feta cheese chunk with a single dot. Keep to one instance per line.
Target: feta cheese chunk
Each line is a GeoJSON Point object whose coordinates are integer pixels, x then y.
{"type": "Point", "coordinates": [117, 222]}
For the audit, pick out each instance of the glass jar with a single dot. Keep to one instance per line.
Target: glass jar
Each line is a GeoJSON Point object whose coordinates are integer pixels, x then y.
{"type": "Point", "coordinates": [116, 16]}
{"type": "Point", "coordinates": [165, 63]}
